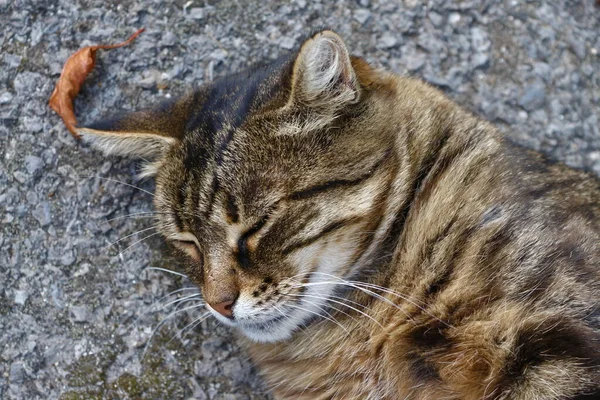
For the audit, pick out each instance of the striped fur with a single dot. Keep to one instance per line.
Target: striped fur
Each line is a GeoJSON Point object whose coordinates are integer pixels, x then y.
{"type": "Point", "coordinates": [379, 242]}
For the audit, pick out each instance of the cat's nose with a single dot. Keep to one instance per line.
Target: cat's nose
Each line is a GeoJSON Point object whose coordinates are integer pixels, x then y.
{"type": "Point", "coordinates": [225, 308]}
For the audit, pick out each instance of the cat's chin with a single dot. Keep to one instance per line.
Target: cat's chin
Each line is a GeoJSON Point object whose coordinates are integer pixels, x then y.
{"type": "Point", "coordinates": [275, 330]}
{"type": "Point", "coordinates": [267, 334]}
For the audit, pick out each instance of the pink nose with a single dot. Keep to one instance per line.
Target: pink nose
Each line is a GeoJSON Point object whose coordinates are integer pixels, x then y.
{"type": "Point", "coordinates": [224, 308]}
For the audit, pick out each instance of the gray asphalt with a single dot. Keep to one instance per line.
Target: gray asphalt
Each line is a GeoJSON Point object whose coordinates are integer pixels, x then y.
{"type": "Point", "coordinates": [77, 310]}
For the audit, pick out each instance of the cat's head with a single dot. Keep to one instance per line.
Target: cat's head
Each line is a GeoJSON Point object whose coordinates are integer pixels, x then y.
{"type": "Point", "coordinates": [271, 182]}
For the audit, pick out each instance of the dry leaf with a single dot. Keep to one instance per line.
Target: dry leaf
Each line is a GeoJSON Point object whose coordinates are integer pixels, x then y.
{"type": "Point", "coordinates": [74, 72]}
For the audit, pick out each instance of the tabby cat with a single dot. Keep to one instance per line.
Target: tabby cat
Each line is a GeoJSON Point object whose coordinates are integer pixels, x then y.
{"type": "Point", "coordinates": [372, 240]}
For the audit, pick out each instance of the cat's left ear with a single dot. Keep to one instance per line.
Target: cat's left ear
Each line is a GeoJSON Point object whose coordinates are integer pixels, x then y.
{"type": "Point", "coordinates": [323, 76]}
{"type": "Point", "coordinates": [144, 134]}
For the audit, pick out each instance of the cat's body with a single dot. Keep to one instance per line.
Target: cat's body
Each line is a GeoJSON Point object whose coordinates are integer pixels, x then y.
{"type": "Point", "coordinates": [496, 262]}
{"type": "Point", "coordinates": [372, 239]}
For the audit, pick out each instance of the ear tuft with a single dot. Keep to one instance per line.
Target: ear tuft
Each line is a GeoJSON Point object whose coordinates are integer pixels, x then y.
{"type": "Point", "coordinates": [144, 145]}
{"type": "Point", "coordinates": [144, 134]}
{"type": "Point", "coordinates": [323, 73]}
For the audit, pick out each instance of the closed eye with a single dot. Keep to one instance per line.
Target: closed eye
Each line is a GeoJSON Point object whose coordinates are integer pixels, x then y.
{"type": "Point", "coordinates": [188, 243]}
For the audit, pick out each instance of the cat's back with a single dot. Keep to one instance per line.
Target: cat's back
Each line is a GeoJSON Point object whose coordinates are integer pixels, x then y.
{"type": "Point", "coordinates": [499, 267]}
{"type": "Point", "coordinates": [494, 286]}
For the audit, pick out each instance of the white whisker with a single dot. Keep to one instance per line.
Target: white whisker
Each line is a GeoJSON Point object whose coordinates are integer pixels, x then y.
{"type": "Point", "coordinates": [139, 241]}
{"type": "Point", "coordinates": [161, 323]}
{"type": "Point", "coordinates": [128, 236]}
{"type": "Point", "coordinates": [341, 303]}
{"type": "Point", "coordinates": [151, 307]}
{"type": "Point", "coordinates": [195, 323]}
{"type": "Point", "coordinates": [166, 270]}
{"type": "Point", "coordinates": [118, 181]}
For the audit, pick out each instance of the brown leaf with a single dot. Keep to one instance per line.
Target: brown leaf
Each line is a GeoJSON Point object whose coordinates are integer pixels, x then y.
{"type": "Point", "coordinates": [74, 72]}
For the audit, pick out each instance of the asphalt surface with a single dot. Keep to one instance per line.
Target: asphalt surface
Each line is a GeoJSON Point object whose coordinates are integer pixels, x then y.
{"type": "Point", "coordinates": [78, 304]}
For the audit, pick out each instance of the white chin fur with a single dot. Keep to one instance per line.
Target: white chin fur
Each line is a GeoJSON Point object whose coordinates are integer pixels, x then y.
{"type": "Point", "coordinates": [276, 334]}
{"type": "Point", "coordinates": [295, 318]}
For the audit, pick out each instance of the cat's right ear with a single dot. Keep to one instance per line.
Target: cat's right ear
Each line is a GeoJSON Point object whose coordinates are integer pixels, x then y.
{"type": "Point", "coordinates": [323, 76]}
{"type": "Point", "coordinates": [144, 134]}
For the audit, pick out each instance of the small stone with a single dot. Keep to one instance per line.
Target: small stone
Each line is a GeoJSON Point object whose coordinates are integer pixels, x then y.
{"type": "Point", "coordinates": [365, 3]}
{"type": "Point", "coordinates": [32, 124]}
{"type": "Point", "coordinates": [587, 69]}
{"type": "Point", "coordinates": [205, 369]}
{"type": "Point", "coordinates": [105, 167]}
{"type": "Point", "coordinates": [196, 13]}
{"type": "Point", "coordinates": [37, 32]}
{"type": "Point", "coordinates": [578, 47]}
{"type": "Point", "coordinates": [301, 4]}
{"type": "Point", "coordinates": [42, 214]}
{"type": "Point", "coordinates": [32, 197]}
{"type": "Point", "coordinates": [480, 40]}
{"type": "Point", "coordinates": [543, 70]}
{"type": "Point", "coordinates": [33, 164]}
{"type": "Point", "coordinates": [362, 15]}
{"type": "Point", "coordinates": [6, 97]}
{"type": "Point", "coordinates": [12, 60]}
{"type": "Point", "coordinates": [199, 393]}
{"type": "Point", "coordinates": [436, 19]}
{"type": "Point", "coordinates": [80, 313]}
{"type": "Point", "coordinates": [11, 197]}
{"type": "Point", "coordinates": [237, 372]}
{"type": "Point", "coordinates": [387, 41]}
{"type": "Point", "coordinates": [480, 43]}
{"type": "Point", "coordinates": [84, 269]}
{"type": "Point", "coordinates": [20, 176]}
{"type": "Point", "coordinates": [534, 97]}
{"type": "Point", "coordinates": [436, 81]}
{"type": "Point", "coordinates": [168, 39]}
{"type": "Point", "coordinates": [57, 295]}
{"type": "Point", "coordinates": [149, 79]}
{"type": "Point", "coordinates": [31, 345]}
{"type": "Point", "coordinates": [17, 372]}
{"type": "Point", "coordinates": [287, 42]}
{"type": "Point", "coordinates": [480, 60]}
{"type": "Point", "coordinates": [68, 258]}
{"type": "Point", "coordinates": [415, 62]}
{"type": "Point", "coordinates": [21, 297]}
{"type": "Point", "coordinates": [218, 55]}
{"type": "Point", "coordinates": [454, 18]}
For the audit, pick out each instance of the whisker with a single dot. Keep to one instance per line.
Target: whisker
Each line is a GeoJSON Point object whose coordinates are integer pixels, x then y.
{"type": "Point", "coordinates": [166, 270]}
{"type": "Point", "coordinates": [157, 302]}
{"type": "Point", "coordinates": [376, 295]}
{"type": "Point", "coordinates": [179, 302]}
{"type": "Point", "coordinates": [363, 287]}
{"type": "Point", "coordinates": [341, 303]}
{"type": "Point", "coordinates": [128, 236]}
{"type": "Point", "coordinates": [118, 181]}
{"type": "Point", "coordinates": [161, 323]}
{"type": "Point", "coordinates": [373, 286]}
{"type": "Point", "coordinates": [144, 214]}
{"type": "Point", "coordinates": [334, 308]}
{"type": "Point", "coordinates": [183, 299]}
{"type": "Point", "coordinates": [139, 241]}
{"type": "Point", "coordinates": [195, 322]}
{"type": "Point", "coordinates": [385, 290]}
{"type": "Point", "coordinates": [317, 314]}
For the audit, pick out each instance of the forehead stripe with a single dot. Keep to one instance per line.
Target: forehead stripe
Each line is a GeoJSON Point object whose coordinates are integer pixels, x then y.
{"type": "Point", "coordinates": [338, 183]}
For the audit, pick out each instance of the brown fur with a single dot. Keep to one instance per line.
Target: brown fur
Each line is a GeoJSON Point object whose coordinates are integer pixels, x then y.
{"type": "Point", "coordinates": [477, 260]}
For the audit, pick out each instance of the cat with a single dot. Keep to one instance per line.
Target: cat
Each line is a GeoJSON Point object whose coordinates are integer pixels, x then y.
{"type": "Point", "coordinates": [369, 238]}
